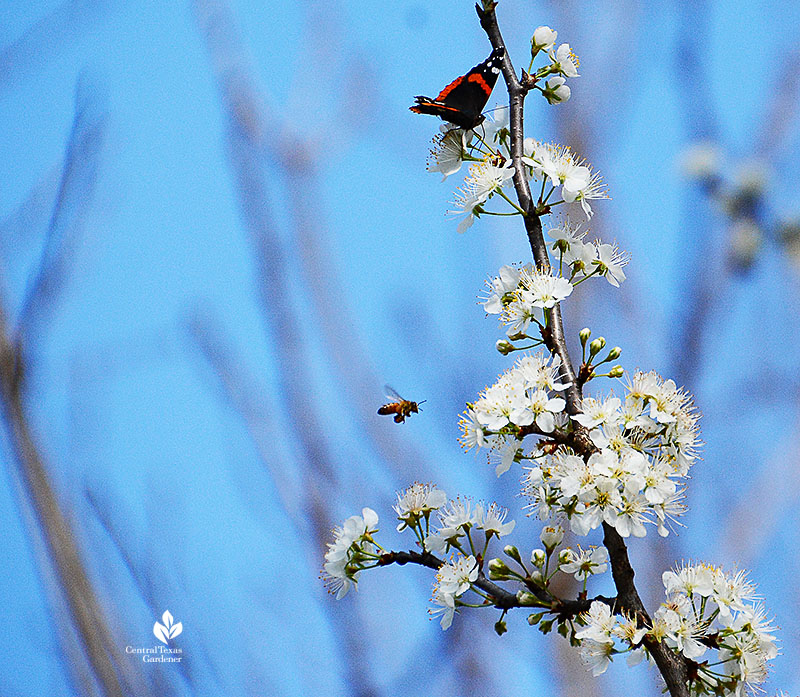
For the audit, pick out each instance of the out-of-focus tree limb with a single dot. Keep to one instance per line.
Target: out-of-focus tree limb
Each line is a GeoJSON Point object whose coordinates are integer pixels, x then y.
{"type": "Point", "coordinates": [297, 159]}
{"type": "Point", "coordinates": [84, 607]}
{"type": "Point", "coordinates": [108, 667]}
{"type": "Point", "coordinates": [240, 389]}
{"type": "Point", "coordinates": [40, 42]}
{"type": "Point", "coordinates": [75, 193]}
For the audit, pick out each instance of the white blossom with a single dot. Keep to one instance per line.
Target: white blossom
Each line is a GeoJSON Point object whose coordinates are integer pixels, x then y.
{"type": "Point", "coordinates": [600, 623]}
{"type": "Point", "coordinates": [587, 562]}
{"type": "Point", "coordinates": [596, 656]}
{"type": "Point", "coordinates": [353, 537]}
{"type": "Point", "coordinates": [449, 148]}
{"type": "Point", "coordinates": [418, 501]}
{"type": "Point", "coordinates": [484, 179]}
{"type": "Point", "coordinates": [565, 61]}
{"type": "Point", "coordinates": [544, 38]}
{"type": "Point", "coordinates": [609, 262]}
{"type": "Point", "coordinates": [455, 577]}
{"type": "Point", "coordinates": [491, 520]}
{"type": "Point", "coordinates": [542, 289]}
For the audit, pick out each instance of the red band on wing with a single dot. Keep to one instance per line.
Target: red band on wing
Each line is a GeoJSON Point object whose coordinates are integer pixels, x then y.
{"type": "Point", "coordinates": [479, 80]}
{"type": "Point", "coordinates": [447, 90]}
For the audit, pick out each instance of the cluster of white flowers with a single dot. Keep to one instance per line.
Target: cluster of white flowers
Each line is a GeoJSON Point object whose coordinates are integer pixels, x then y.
{"type": "Point", "coordinates": [558, 165]}
{"type": "Point", "coordinates": [703, 602]}
{"type": "Point", "coordinates": [457, 522]}
{"type": "Point", "coordinates": [492, 168]}
{"type": "Point", "coordinates": [706, 609]}
{"type": "Point", "coordinates": [563, 63]}
{"type": "Point", "coordinates": [520, 295]}
{"type": "Point", "coordinates": [646, 445]}
{"type": "Point", "coordinates": [521, 397]}
{"type": "Point", "coordinates": [351, 549]}
{"type": "Point", "coordinates": [459, 518]}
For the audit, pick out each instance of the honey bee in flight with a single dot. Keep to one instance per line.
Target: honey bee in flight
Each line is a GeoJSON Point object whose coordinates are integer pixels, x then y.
{"type": "Point", "coordinates": [401, 408]}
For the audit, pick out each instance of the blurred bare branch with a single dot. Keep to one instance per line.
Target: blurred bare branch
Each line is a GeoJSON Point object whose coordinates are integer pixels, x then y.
{"type": "Point", "coordinates": [782, 111]}
{"type": "Point", "coordinates": [750, 524]}
{"type": "Point", "coordinates": [78, 179]}
{"type": "Point", "coordinates": [296, 157]}
{"type": "Point", "coordinates": [30, 220]}
{"type": "Point", "coordinates": [246, 119]}
{"type": "Point", "coordinates": [107, 664]}
{"type": "Point", "coordinates": [102, 652]}
{"type": "Point", "coordinates": [241, 392]}
{"type": "Point", "coordinates": [42, 40]}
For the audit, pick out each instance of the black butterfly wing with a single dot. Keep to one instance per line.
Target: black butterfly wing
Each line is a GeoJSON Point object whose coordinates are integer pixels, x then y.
{"type": "Point", "coordinates": [463, 100]}
{"type": "Point", "coordinates": [469, 93]}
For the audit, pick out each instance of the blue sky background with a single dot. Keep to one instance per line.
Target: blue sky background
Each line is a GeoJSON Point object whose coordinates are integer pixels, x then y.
{"type": "Point", "coordinates": [254, 248]}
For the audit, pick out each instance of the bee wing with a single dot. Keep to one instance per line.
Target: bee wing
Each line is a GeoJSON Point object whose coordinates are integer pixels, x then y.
{"type": "Point", "coordinates": [392, 394]}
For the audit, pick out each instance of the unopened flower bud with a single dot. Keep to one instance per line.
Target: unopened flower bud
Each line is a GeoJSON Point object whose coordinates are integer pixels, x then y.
{"type": "Point", "coordinates": [584, 334]}
{"type": "Point", "coordinates": [498, 570]}
{"type": "Point", "coordinates": [500, 627]}
{"type": "Point", "coordinates": [551, 537]}
{"type": "Point", "coordinates": [596, 346]}
{"type": "Point", "coordinates": [538, 557]}
{"type": "Point", "coordinates": [535, 618]}
{"type": "Point", "coordinates": [513, 552]}
{"type": "Point", "coordinates": [543, 38]}
{"type": "Point", "coordinates": [565, 556]}
{"type": "Point", "coordinates": [614, 353]}
{"type": "Point", "coordinates": [526, 598]}
{"type": "Point", "coordinates": [616, 372]}
{"type": "Point", "coordinates": [556, 91]}
{"type": "Point", "coordinates": [536, 578]}
{"type": "Point", "coordinates": [504, 347]}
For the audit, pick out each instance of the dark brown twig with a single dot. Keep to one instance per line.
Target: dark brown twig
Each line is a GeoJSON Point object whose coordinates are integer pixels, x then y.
{"type": "Point", "coordinates": [503, 599]}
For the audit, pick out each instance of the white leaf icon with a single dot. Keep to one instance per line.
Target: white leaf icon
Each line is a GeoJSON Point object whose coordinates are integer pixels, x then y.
{"type": "Point", "coordinates": [161, 632]}
{"type": "Point", "coordinates": [167, 619]}
{"type": "Point", "coordinates": [176, 629]}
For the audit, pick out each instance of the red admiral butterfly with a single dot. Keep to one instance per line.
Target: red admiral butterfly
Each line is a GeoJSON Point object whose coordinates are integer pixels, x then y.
{"type": "Point", "coordinates": [462, 101]}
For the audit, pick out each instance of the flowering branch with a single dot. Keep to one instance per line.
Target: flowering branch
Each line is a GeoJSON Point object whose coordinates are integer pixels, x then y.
{"type": "Point", "coordinates": [588, 463]}
{"type": "Point", "coordinates": [554, 339]}
{"type": "Point", "coordinates": [672, 668]}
